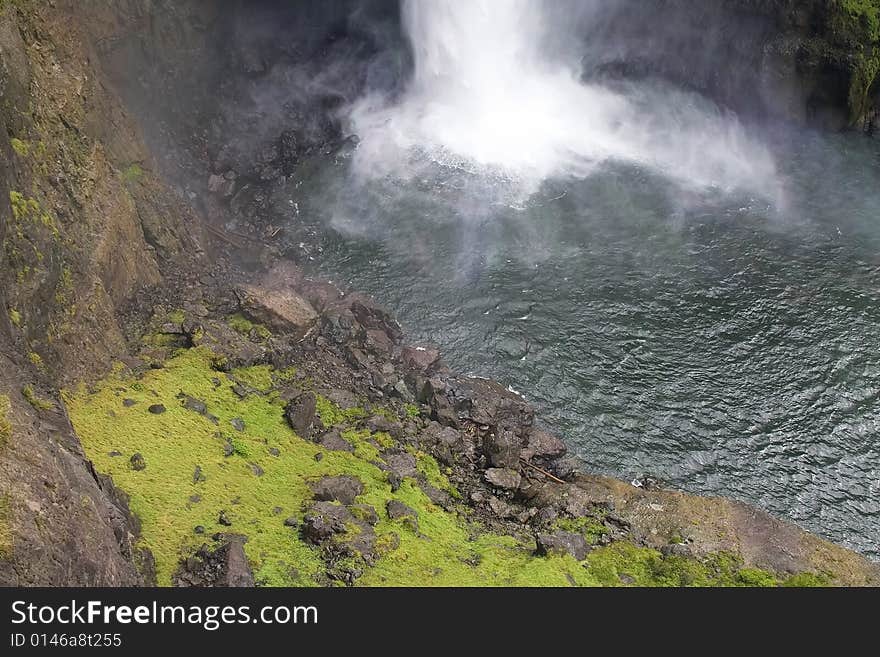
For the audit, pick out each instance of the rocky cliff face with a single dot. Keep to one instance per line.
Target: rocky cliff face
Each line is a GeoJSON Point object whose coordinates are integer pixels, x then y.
{"type": "Point", "coordinates": [85, 226]}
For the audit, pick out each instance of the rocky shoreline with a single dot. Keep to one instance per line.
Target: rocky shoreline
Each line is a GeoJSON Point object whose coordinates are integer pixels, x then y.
{"type": "Point", "coordinates": [497, 472]}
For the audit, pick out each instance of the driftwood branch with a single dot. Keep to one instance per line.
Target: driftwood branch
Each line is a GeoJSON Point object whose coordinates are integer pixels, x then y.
{"type": "Point", "coordinates": [542, 471]}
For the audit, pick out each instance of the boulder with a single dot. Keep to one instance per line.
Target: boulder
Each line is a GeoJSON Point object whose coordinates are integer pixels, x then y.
{"type": "Point", "coordinates": [562, 543]}
{"type": "Point", "coordinates": [397, 509]}
{"type": "Point", "coordinates": [400, 462]}
{"type": "Point", "coordinates": [195, 405]}
{"type": "Point", "coordinates": [504, 478]}
{"type": "Point", "coordinates": [503, 447]}
{"type": "Point", "coordinates": [300, 413]}
{"type": "Point", "coordinates": [333, 442]}
{"type": "Point", "coordinates": [323, 520]}
{"type": "Point", "coordinates": [277, 306]}
{"type": "Point", "coordinates": [344, 489]}
{"type": "Point", "coordinates": [420, 359]}
{"type": "Point", "coordinates": [543, 446]}
{"type": "Point", "coordinates": [138, 462]}
{"type": "Point", "coordinates": [225, 567]}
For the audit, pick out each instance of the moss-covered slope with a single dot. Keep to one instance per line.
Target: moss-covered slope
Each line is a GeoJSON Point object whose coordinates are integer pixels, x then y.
{"type": "Point", "coordinates": [200, 460]}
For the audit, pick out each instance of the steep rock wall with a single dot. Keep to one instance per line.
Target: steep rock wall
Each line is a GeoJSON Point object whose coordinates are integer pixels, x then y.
{"type": "Point", "coordinates": [85, 226]}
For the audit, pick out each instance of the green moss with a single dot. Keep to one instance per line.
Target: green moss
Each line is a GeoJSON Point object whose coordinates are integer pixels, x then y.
{"type": "Point", "coordinates": [332, 415]}
{"type": "Point", "coordinates": [241, 324]}
{"type": "Point", "coordinates": [5, 424]}
{"type": "Point", "coordinates": [258, 377]}
{"type": "Point", "coordinates": [35, 359]}
{"type": "Point", "coordinates": [176, 317]}
{"type": "Point", "coordinates": [6, 542]}
{"type": "Point", "coordinates": [429, 467]}
{"type": "Point", "coordinates": [35, 400]}
{"type": "Point", "coordinates": [133, 173]}
{"type": "Point", "coordinates": [15, 317]}
{"type": "Point", "coordinates": [28, 209]}
{"type": "Point", "coordinates": [21, 148]}
{"type": "Point", "coordinates": [592, 529]}
{"type": "Point", "coordinates": [856, 19]}
{"type": "Point", "coordinates": [443, 548]}
{"type": "Point", "coordinates": [241, 447]}
{"type": "Point", "coordinates": [412, 411]}
{"type": "Point", "coordinates": [854, 38]}
{"type": "Point", "coordinates": [808, 580]}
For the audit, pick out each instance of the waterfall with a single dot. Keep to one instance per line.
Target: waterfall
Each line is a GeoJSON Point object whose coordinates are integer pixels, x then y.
{"type": "Point", "coordinates": [493, 93]}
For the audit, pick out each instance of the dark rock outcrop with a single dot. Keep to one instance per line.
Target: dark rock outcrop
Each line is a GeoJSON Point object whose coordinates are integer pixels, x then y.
{"type": "Point", "coordinates": [344, 489]}
{"type": "Point", "coordinates": [226, 566]}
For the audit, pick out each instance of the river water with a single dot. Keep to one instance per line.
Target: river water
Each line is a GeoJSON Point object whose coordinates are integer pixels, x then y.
{"type": "Point", "coordinates": [720, 342]}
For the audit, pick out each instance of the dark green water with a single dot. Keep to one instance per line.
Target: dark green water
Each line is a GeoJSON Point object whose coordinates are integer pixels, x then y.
{"type": "Point", "coordinates": [717, 343]}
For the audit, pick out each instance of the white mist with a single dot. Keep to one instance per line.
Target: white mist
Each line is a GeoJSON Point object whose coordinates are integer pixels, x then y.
{"type": "Point", "coordinates": [487, 98]}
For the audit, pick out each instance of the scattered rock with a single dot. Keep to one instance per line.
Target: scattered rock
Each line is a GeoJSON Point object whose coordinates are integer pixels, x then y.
{"type": "Point", "coordinates": [344, 489]}
{"type": "Point", "coordinates": [138, 462]}
{"type": "Point", "coordinates": [677, 550]}
{"type": "Point", "coordinates": [501, 508]}
{"type": "Point", "coordinates": [226, 567]}
{"type": "Point", "coordinates": [291, 522]}
{"type": "Point", "coordinates": [439, 497]}
{"type": "Point", "coordinates": [224, 519]}
{"type": "Point", "coordinates": [276, 510]}
{"type": "Point", "coordinates": [274, 451]}
{"type": "Point", "coordinates": [128, 403]}
{"type": "Point", "coordinates": [240, 391]}
{"type": "Point", "coordinates": [421, 359]}
{"type": "Point", "coordinates": [323, 520]}
{"type": "Point", "coordinates": [400, 462]}
{"type": "Point", "coordinates": [503, 478]}
{"type": "Point", "coordinates": [156, 409]}
{"type": "Point", "coordinates": [319, 457]}
{"type": "Point", "coordinates": [228, 448]}
{"type": "Point", "coordinates": [397, 509]}
{"type": "Point", "coordinates": [503, 447]}
{"type": "Point", "coordinates": [300, 414]}
{"type": "Point", "coordinates": [237, 424]}
{"type": "Point", "coordinates": [562, 543]}
{"type": "Point", "coordinates": [333, 442]}
{"type": "Point", "coordinates": [195, 405]}
{"type": "Point", "coordinates": [114, 454]}
{"type": "Point", "coordinates": [542, 445]}
{"type": "Point", "coordinates": [198, 475]}
{"type": "Point", "coordinates": [199, 529]}
{"type": "Point", "coordinates": [381, 424]}
{"type": "Point", "coordinates": [257, 470]}
{"type": "Point", "coordinates": [395, 480]}
{"type": "Point", "coordinates": [195, 499]}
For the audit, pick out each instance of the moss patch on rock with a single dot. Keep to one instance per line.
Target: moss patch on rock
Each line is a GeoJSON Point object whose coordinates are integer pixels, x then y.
{"type": "Point", "coordinates": [5, 424]}
{"type": "Point", "coordinates": [263, 487]}
{"type": "Point", "coordinates": [6, 542]}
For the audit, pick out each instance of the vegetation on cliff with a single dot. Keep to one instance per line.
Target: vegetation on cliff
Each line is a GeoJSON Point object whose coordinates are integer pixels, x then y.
{"type": "Point", "coordinates": [855, 28]}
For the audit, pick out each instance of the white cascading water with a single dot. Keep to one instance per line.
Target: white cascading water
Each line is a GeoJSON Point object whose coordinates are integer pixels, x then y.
{"type": "Point", "coordinates": [486, 98]}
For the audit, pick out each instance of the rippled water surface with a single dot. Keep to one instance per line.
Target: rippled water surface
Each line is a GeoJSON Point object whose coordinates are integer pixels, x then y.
{"type": "Point", "coordinates": [716, 342]}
